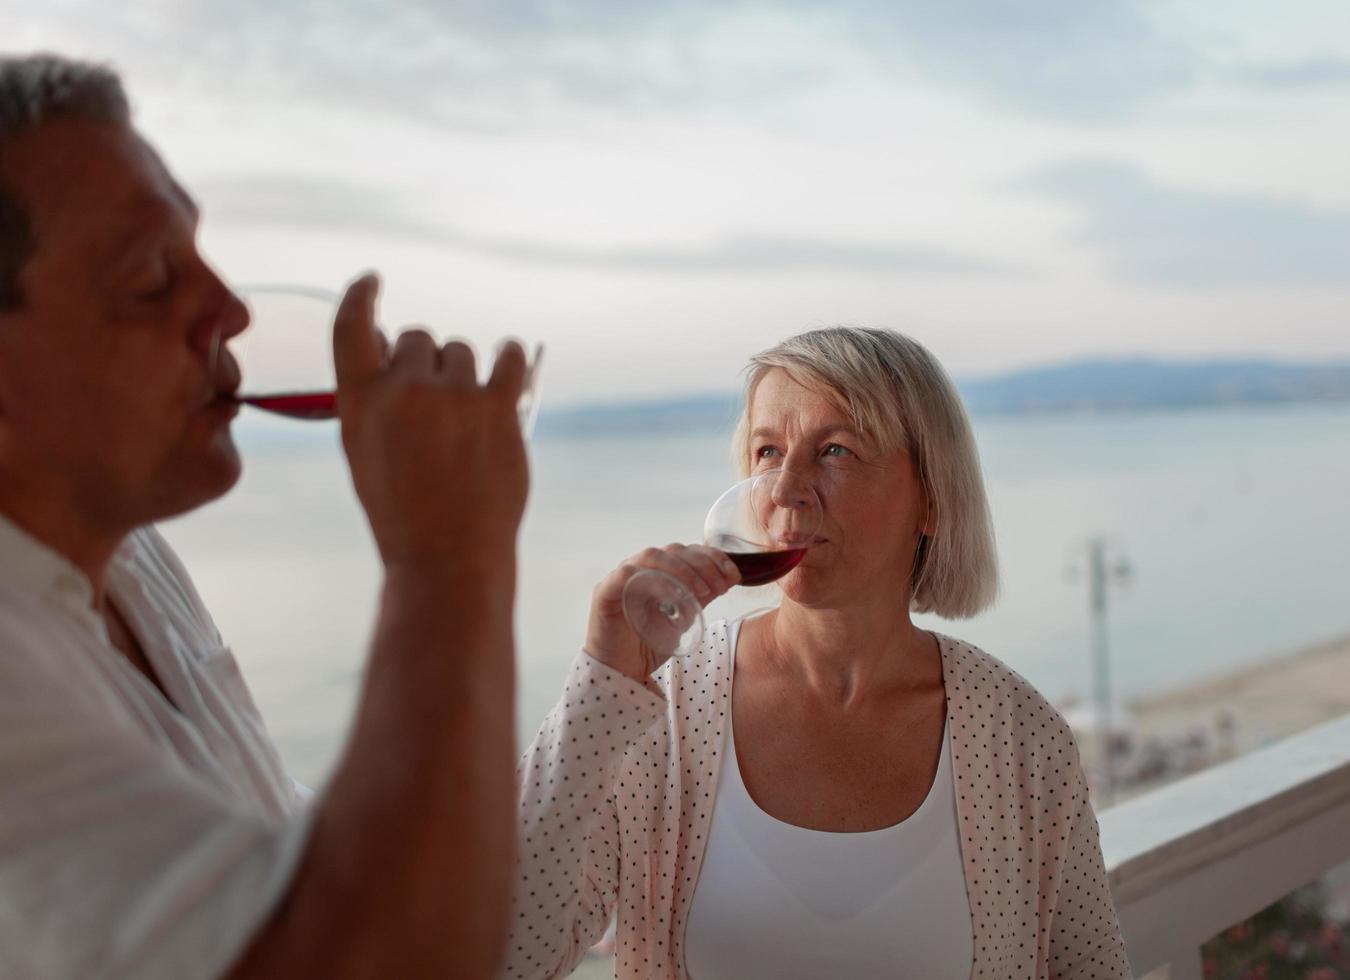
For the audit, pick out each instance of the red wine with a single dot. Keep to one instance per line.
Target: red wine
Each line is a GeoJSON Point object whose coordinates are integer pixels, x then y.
{"type": "Point", "coordinates": [311, 405]}
{"type": "Point", "coordinates": [762, 567]}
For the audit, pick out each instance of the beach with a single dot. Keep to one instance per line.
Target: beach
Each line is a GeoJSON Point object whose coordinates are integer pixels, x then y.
{"type": "Point", "coordinates": [1254, 706]}
{"type": "Point", "coordinates": [1164, 736]}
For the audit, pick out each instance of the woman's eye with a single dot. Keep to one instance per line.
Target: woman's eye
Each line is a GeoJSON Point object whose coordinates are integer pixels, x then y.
{"type": "Point", "coordinates": [834, 449]}
{"type": "Point", "coordinates": [766, 452]}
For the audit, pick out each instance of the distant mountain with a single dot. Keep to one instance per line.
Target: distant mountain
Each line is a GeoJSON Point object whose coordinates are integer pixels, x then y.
{"type": "Point", "coordinates": [1116, 385]}
{"type": "Point", "coordinates": [1136, 384]}
{"type": "Point", "coordinates": [694, 413]}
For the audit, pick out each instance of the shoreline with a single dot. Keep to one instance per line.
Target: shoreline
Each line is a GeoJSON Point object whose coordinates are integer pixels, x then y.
{"type": "Point", "coordinates": [1165, 736]}
{"type": "Point", "coordinates": [1274, 699]}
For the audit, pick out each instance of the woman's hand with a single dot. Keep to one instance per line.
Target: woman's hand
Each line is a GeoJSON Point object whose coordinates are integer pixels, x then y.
{"type": "Point", "coordinates": [705, 572]}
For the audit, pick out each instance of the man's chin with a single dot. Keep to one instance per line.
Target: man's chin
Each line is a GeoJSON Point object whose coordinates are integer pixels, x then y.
{"type": "Point", "coordinates": [210, 477]}
{"type": "Point", "coordinates": [227, 469]}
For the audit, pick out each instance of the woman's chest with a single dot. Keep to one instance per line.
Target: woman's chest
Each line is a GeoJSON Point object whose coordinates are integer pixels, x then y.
{"type": "Point", "coordinates": [844, 770]}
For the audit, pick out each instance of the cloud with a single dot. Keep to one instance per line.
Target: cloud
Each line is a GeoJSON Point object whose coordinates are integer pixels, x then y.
{"type": "Point", "coordinates": [1175, 236]}
{"type": "Point", "coordinates": [304, 201]}
{"type": "Point", "coordinates": [754, 253]}
{"type": "Point", "coordinates": [492, 65]}
{"type": "Point", "coordinates": [1308, 73]}
{"type": "Point", "coordinates": [1086, 62]}
{"type": "Point", "coordinates": [479, 66]}
{"type": "Point", "coordinates": [296, 201]}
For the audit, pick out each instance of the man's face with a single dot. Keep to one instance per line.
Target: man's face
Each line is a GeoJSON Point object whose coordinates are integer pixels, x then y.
{"type": "Point", "coordinates": [108, 401]}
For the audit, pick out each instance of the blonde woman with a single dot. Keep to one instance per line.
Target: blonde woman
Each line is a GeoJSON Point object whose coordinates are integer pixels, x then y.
{"type": "Point", "coordinates": [823, 790]}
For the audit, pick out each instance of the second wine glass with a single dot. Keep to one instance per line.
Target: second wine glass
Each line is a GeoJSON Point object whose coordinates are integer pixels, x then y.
{"type": "Point", "coordinates": [286, 354]}
{"type": "Point", "coordinates": [765, 524]}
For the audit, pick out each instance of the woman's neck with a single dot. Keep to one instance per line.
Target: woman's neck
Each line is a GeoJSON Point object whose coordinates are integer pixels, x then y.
{"type": "Point", "coordinates": [846, 655]}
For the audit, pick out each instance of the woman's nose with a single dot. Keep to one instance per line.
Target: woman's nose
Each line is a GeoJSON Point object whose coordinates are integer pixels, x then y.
{"type": "Point", "coordinates": [791, 490]}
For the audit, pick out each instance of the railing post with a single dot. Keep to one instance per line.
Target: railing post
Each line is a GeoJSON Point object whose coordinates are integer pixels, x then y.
{"type": "Point", "coordinates": [1189, 965]}
{"type": "Point", "coordinates": [1194, 858]}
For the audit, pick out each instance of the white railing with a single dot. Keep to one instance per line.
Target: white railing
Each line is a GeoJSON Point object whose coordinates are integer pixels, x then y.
{"type": "Point", "coordinates": [1193, 858]}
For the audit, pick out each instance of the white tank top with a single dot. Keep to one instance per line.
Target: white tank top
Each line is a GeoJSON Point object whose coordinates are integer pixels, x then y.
{"type": "Point", "coordinates": [779, 902]}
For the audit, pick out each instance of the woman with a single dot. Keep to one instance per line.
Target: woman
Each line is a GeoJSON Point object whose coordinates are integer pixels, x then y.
{"type": "Point", "coordinates": [823, 790]}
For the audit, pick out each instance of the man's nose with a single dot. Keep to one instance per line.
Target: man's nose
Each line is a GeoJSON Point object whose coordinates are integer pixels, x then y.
{"type": "Point", "coordinates": [225, 318]}
{"type": "Point", "coordinates": [234, 315]}
{"type": "Point", "coordinates": [230, 321]}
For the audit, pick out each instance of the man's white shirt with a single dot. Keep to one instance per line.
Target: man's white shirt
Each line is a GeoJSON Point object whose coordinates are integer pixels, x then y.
{"type": "Point", "coordinates": [139, 836]}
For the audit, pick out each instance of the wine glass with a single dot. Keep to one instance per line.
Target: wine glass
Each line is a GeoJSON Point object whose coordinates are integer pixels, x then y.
{"type": "Point", "coordinates": [287, 352]}
{"type": "Point", "coordinates": [765, 524]}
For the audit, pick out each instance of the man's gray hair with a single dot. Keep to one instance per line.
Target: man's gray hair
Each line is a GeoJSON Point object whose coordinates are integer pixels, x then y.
{"type": "Point", "coordinates": [35, 89]}
{"type": "Point", "coordinates": [897, 394]}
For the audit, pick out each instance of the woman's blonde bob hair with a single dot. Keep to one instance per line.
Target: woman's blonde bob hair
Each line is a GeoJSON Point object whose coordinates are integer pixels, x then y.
{"type": "Point", "coordinates": [897, 394]}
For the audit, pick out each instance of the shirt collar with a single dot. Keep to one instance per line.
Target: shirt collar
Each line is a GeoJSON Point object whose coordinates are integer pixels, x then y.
{"type": "Point", "coordinates": [29, 565]}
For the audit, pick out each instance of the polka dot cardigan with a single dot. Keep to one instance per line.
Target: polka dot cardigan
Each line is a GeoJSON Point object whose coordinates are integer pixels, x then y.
{"type": "Point", "coordinates": [616, 796]}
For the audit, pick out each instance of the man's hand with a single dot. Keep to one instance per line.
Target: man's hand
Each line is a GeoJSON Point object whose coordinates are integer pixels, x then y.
{"type": "Point", "coordinates": [437, 459]}
{"type": "Point", "coordinates": [408, 869]}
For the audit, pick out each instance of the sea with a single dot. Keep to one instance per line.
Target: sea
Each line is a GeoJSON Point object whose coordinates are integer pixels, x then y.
{"type": "Point", "coordinates": [1230, 528]}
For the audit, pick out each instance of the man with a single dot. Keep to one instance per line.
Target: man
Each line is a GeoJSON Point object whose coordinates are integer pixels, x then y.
{"type": "Point", "coordinates": [147, 828]}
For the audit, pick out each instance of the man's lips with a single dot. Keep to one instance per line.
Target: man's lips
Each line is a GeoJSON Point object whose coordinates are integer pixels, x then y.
{"type": "Point", "coordinates": [226, 387]}
{"type": "Point", "coordinates": [225, 377]}
{"type": "Point", "coordinates": [224, 400]}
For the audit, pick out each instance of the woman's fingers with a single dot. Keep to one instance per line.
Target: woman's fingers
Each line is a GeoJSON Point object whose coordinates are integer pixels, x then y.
{"type": "Point", "coordinates": [713, 569]}
{"type": "Point", "coordinates": [705, 572]}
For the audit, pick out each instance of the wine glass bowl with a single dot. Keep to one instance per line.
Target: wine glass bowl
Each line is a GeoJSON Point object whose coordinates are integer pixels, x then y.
{"type": "Point", "coordinates": [285, 355]}
{"type": "Point", "coordinates": [765, 525]}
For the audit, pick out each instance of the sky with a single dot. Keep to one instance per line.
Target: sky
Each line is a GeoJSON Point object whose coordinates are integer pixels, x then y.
{"type": "Point", "coordinates": [656, 189]}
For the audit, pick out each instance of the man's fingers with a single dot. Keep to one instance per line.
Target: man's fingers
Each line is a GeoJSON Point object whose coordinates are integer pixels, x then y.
{"type": "Point", "coordinates": [508, 374]}
{"type": "Point", "coordinates": [361, 352]}
{"type": "Point", "coordinates": [356, 347]}
{"type": "Point", "coordinates": [414, 352]}
{"type": "Point", "coordinates": [458, 365]}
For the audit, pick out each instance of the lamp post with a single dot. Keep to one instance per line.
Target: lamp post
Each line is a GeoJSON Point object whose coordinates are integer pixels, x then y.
{"type": "Point", "coordinates": [1106, 567]}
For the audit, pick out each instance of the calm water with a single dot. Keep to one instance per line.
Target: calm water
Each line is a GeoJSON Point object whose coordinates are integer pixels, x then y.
{"type": "Point", "coordinates": [1237, 524]}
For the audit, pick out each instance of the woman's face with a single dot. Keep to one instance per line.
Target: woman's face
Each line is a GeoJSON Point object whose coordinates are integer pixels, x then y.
{"type": "Point", "coordinates": [874, 509]}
